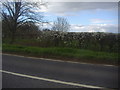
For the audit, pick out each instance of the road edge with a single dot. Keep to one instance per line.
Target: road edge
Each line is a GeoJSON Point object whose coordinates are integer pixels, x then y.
{"type": "Point", "coordinates": [57, 60]}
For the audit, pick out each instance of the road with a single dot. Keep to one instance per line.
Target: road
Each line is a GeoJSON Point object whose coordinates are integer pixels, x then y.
{"type": "Point", "coordinates": [24, 72]}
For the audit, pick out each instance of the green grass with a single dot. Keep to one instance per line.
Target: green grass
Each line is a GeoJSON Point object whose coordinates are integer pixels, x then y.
{"type": "Point", "coordinates": [63, 53]}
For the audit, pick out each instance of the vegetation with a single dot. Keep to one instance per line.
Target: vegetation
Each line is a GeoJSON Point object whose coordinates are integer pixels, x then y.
{"type": "Point", "coordinates": [61, 24]}
{"type": "Point", "coordinates": [63, 53]}
{"type": "Point", "coordinates": [19, 29]}
{"type": "Point", "coordinates": [13, 13]}
{"type": "Point", "coordinates": [107, 42]}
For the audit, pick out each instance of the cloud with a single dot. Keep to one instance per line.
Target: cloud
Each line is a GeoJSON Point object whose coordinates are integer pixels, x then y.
{"type": "Point", "coordinates": [95, 28]}
{"type": "Point", "coordinates": [98, 21]}
{"type": "Point", "coordinates": [83, 1]}
{"type": "Point", "coordinates": [45, 25]}
{"type": "Point", "coordinates": [111, 28]}
{"type": "Point", "coordinates": [72, 7]}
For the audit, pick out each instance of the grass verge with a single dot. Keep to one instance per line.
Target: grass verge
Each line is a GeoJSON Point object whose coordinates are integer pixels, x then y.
{"type": "Point", "coordinates": [69, 54]}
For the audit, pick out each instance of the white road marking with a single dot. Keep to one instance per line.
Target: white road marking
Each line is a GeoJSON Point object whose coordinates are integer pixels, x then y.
{"type": "Point", "coordinates": [51, 80]}
{"type": "Point", "coordinates": [58, 60]}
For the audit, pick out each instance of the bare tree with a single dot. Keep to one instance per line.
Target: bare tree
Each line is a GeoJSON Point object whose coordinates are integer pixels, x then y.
{"type": "Point", "coordinates": [61, 24]}
{"type": "Point", "coordinates": [16, 12]}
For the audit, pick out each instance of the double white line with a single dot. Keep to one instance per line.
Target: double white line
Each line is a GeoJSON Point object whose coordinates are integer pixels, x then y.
{"type": "Point", "coordinates": [51, 80]}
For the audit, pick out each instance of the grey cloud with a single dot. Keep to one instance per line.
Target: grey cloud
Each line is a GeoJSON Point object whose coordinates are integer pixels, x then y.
{"type": "Point", "coordinates": [83, 0]}
{"type": "Point", "coordinates": [63, 7]}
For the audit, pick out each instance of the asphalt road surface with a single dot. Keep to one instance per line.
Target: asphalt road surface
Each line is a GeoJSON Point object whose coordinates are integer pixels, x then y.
{"type": "Point", "coordinates": [24, 72]}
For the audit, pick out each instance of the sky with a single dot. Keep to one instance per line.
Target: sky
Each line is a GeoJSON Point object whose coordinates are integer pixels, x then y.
{"type": "Point", "coordinates": [84, 16]}
{"type": "Point", "coordinates": [87, 16]}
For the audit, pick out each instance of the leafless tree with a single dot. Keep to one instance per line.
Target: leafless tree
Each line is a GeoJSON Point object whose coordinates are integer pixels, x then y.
{"type": "Point", "coordinates": [16, 12]}
{"type": "Point", "coordinates": [61, 24]}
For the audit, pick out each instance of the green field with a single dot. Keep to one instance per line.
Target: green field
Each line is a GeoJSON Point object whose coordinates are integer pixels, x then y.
{"type": "Point", "coordinates": [69, 54]}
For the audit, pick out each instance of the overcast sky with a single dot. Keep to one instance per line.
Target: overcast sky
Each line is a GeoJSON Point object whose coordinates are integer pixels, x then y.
{"type": "Point", "coordinates": [84, 16]}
